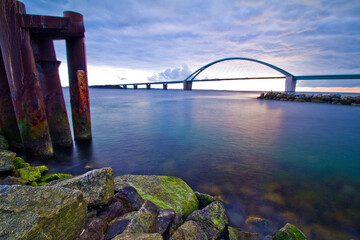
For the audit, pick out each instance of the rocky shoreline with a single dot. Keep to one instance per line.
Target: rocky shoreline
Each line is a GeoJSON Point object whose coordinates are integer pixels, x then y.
{"type": "Point", "coordinates": [95, 205]}
{"type": "Point", "coordinates": [318, 98]}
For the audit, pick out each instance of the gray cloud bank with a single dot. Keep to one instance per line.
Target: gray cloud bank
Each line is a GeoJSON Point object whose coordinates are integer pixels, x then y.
{"type": "Point", "coordinates": [304, 37]}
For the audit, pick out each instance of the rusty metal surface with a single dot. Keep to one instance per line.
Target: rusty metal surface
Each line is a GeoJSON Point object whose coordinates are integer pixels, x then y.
{"type": "Point", "coordinates": [78, 82]}
{"type": "Point", "coordinates": [23, 83]}
{"type": "Point", "coordinates": [45, 22]}
{"type": "Point", "coordinates": [8, 124]}
{"type": "Point", "coordinates": [48, 74]}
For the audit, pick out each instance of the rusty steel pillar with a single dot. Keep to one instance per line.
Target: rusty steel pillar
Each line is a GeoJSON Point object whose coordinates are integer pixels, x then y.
{"type": "Point", "coordinates": [8, 124]}
{"type": "Point", "coordinates": [48, 73]}
{"type": "Point", "coordinates": [23, 82]}
{"type": "Point", "coordinates": [165, 86]}
{"type": "Point", "coordinates": [148, 86]}
{"type": "Point", "coordinates": [187, 85]}
{"type": "Point", "coordinates": [79, 90]}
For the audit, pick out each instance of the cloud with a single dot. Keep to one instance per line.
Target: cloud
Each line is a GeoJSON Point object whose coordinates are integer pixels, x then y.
{"type": "Point", "coordinates": [171, 74]}
{"type": "Point", "coordinates": [304, 37]}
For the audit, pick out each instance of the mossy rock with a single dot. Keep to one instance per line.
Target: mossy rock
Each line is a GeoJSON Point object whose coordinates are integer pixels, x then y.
{"type": "Point", "coordinates": [204, 199]}
{"type": "Point", "coordinates": [3, 143]}
{"type": "Point", "coordinates": [29, 174]}
{"type": "Point", "coordinates": [289, 232]}
{"type": "Point", "coordinates": [166, 192]}
{"type": "Point", "coordinates": [6, 161]}
{"type": "Point", "coordinates": [20, 163]}
{"type": "Point", "coordinates": [51, 177]}
{"type": "Point", "coordinates": [43, 170]}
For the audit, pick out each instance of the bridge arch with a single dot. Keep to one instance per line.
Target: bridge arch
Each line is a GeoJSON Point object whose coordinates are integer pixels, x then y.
{"type": "Point", "coordinates": [290, 82]}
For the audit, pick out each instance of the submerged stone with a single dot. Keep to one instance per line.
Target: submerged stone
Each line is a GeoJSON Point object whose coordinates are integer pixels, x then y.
{"type": "Point", "coordinates": [6, 161]}
{"type": "Point", "coordinates": [96, 185]}
{"type": "Point", "coordinates": [166, 192]}
{"type": "Point", "coordinates": [289, 232]}
{"type": "Point", "coordinates": [236, 234]}
{"type": "Point", "coordinates": [212, 219]}
{"type": "Point", "coordinates": [41, 213]}
{"type": "Point", "coordinates": [257, 224]}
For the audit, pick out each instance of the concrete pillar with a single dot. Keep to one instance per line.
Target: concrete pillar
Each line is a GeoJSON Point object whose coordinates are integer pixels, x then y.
{"type": "Point", "coordinates": [290, 84]}
{"type": "Point", "coordinates": [165, 86]}
{"type": "Point", "coordinates": [135, 86]}
{"type": "Point", "coordinates": [48, 73]}
{"type": "Point", "coordinates": [187, 85]}
{"type": "Point", "coordinates": [79, 90]}
{"type": "Point", "coordinates": [8, 124]}
{"type": "Point", "coordinates": [148, 86]}
{"type": "Point", "coordinates": [23, 81]}
{"type": "Point", "coordinates": [124, 86]}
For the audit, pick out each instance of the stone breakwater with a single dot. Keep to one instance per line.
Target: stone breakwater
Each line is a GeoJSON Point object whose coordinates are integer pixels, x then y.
{"type": "Point", "coordinates": [318, 98]}
{"type": "Point", "coordinates": [96, 205]}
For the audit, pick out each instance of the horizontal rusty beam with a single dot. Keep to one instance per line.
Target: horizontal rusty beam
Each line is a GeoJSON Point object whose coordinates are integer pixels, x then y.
{"type": "Point", "coordinates": [45, 22]}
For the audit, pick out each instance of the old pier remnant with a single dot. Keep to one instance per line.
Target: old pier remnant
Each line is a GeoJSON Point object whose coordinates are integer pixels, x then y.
{"type": "Point", "coordinates": [32, 103]}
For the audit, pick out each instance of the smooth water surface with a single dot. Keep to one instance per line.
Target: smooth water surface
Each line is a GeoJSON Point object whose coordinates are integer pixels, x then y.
{"type": "Point", "coordinates": [284, 161]}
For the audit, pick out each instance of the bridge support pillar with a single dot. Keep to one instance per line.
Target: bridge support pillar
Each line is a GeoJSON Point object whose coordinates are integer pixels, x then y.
{"type": "Point", "coordinates": [79, 90]}
{"type": "Point", "coordinates": [124, 86]}
{"type": "Point", "coordinates": [135, 86]}
{"type": "Point", "coordinates": [165, 86]}
{"type": "Point", "coordinates": [148, 86]}
{"type": "Point", "coordinates": [187, 85]}
{"type": "Point", "coordinates": [290, 84]}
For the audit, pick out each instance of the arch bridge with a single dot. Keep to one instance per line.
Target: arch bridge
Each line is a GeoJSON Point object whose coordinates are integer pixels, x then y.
{"type": "Point", "coordinates": [290, 80]}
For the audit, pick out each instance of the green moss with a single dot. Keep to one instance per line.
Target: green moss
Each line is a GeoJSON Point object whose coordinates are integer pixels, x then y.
{"type": "Point", "coordinates": [29, 174]}
{"type": "Point", "coordinates": [166, 192]}
{"type": "Point", "coordinates": [51, 177]}
{"type": "Point", "coordinates": [20, 163]}
{"type": "Point", "coordinates": [289, 232]}
{"type": "Point", "coordinates": [43, 170]}
{"type": "Point", "coordinates": [3, 143]}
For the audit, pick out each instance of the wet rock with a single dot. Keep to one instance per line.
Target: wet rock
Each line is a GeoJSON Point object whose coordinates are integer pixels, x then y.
{"type": "Point", "coordinates": [174, 225]}
{"type": "Point", "coordinates": [257, 224]}
{"type": "Point", "coordinates": [96, 185]}
{"type": "Point", "coordinates": [118, 225]}
{"type": "Point", "coordinates": [204, 199]}
{"type": "Point", "coordinates": [9, 180]}
{"type": "Point", "coordinates": [164, 218]}
{"type": "Point", "coordinates": [29, 174]}
{"type": "Point", "coordinates": [166, 192]}
{"type": "Point", "coordinates": [52, 177]}
{"type": "Point", "coordinates": [41, 213]}
{"type": "Point", "coordinates": [211, 219]}
{"type": "Point", "coordinates": [190, 230]}
{"type": "Point", "coordinates": [289, 232]}
{"type": "Point", "coordinates": [20, 163]}
{"type": "Point", "coordinates": [3, 143]}
{"type": "Point", "coordinates": [144, 221]}
{"type": "Point", "coordinates": [94, 230]}
{"type": "Point", "coordinates": [139, 236]}
{"type": "Point", "coordinates": [112, 211]}
{"type": "Point", "coordinates": [129, 198]}
{"type": "Point", "coordinates": [6, 161]}
{"type": "Point", "coordinates": [237, 234]}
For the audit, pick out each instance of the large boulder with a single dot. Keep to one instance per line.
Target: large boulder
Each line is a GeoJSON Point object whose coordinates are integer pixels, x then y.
{"type": "Point", "coordinates": [139, 236]}
{"type": "Point", "coordinates": [96, 185]}
{"type": "Point", "coordinates": [166, 192]}
{"type": "Point", "coordinates": [212, 219]}
{"type": "Point", "coordinates": [41, 213]}
{"type": "Point", "coordinates": [3, 143]}
{"type": "Point", "coordinates": [190, 230]}
{"type": "Point", "coordinates": [289, 232]}
{"type": "Point", "coordinates": [6, 161]}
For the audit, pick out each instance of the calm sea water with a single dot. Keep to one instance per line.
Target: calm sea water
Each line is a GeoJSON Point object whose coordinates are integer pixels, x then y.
{"type": "Point", "coordinates": [284, 161]}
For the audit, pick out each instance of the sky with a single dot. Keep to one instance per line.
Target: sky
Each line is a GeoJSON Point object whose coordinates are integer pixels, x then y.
{"type": "Point", "coordinates": [157, 40]}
